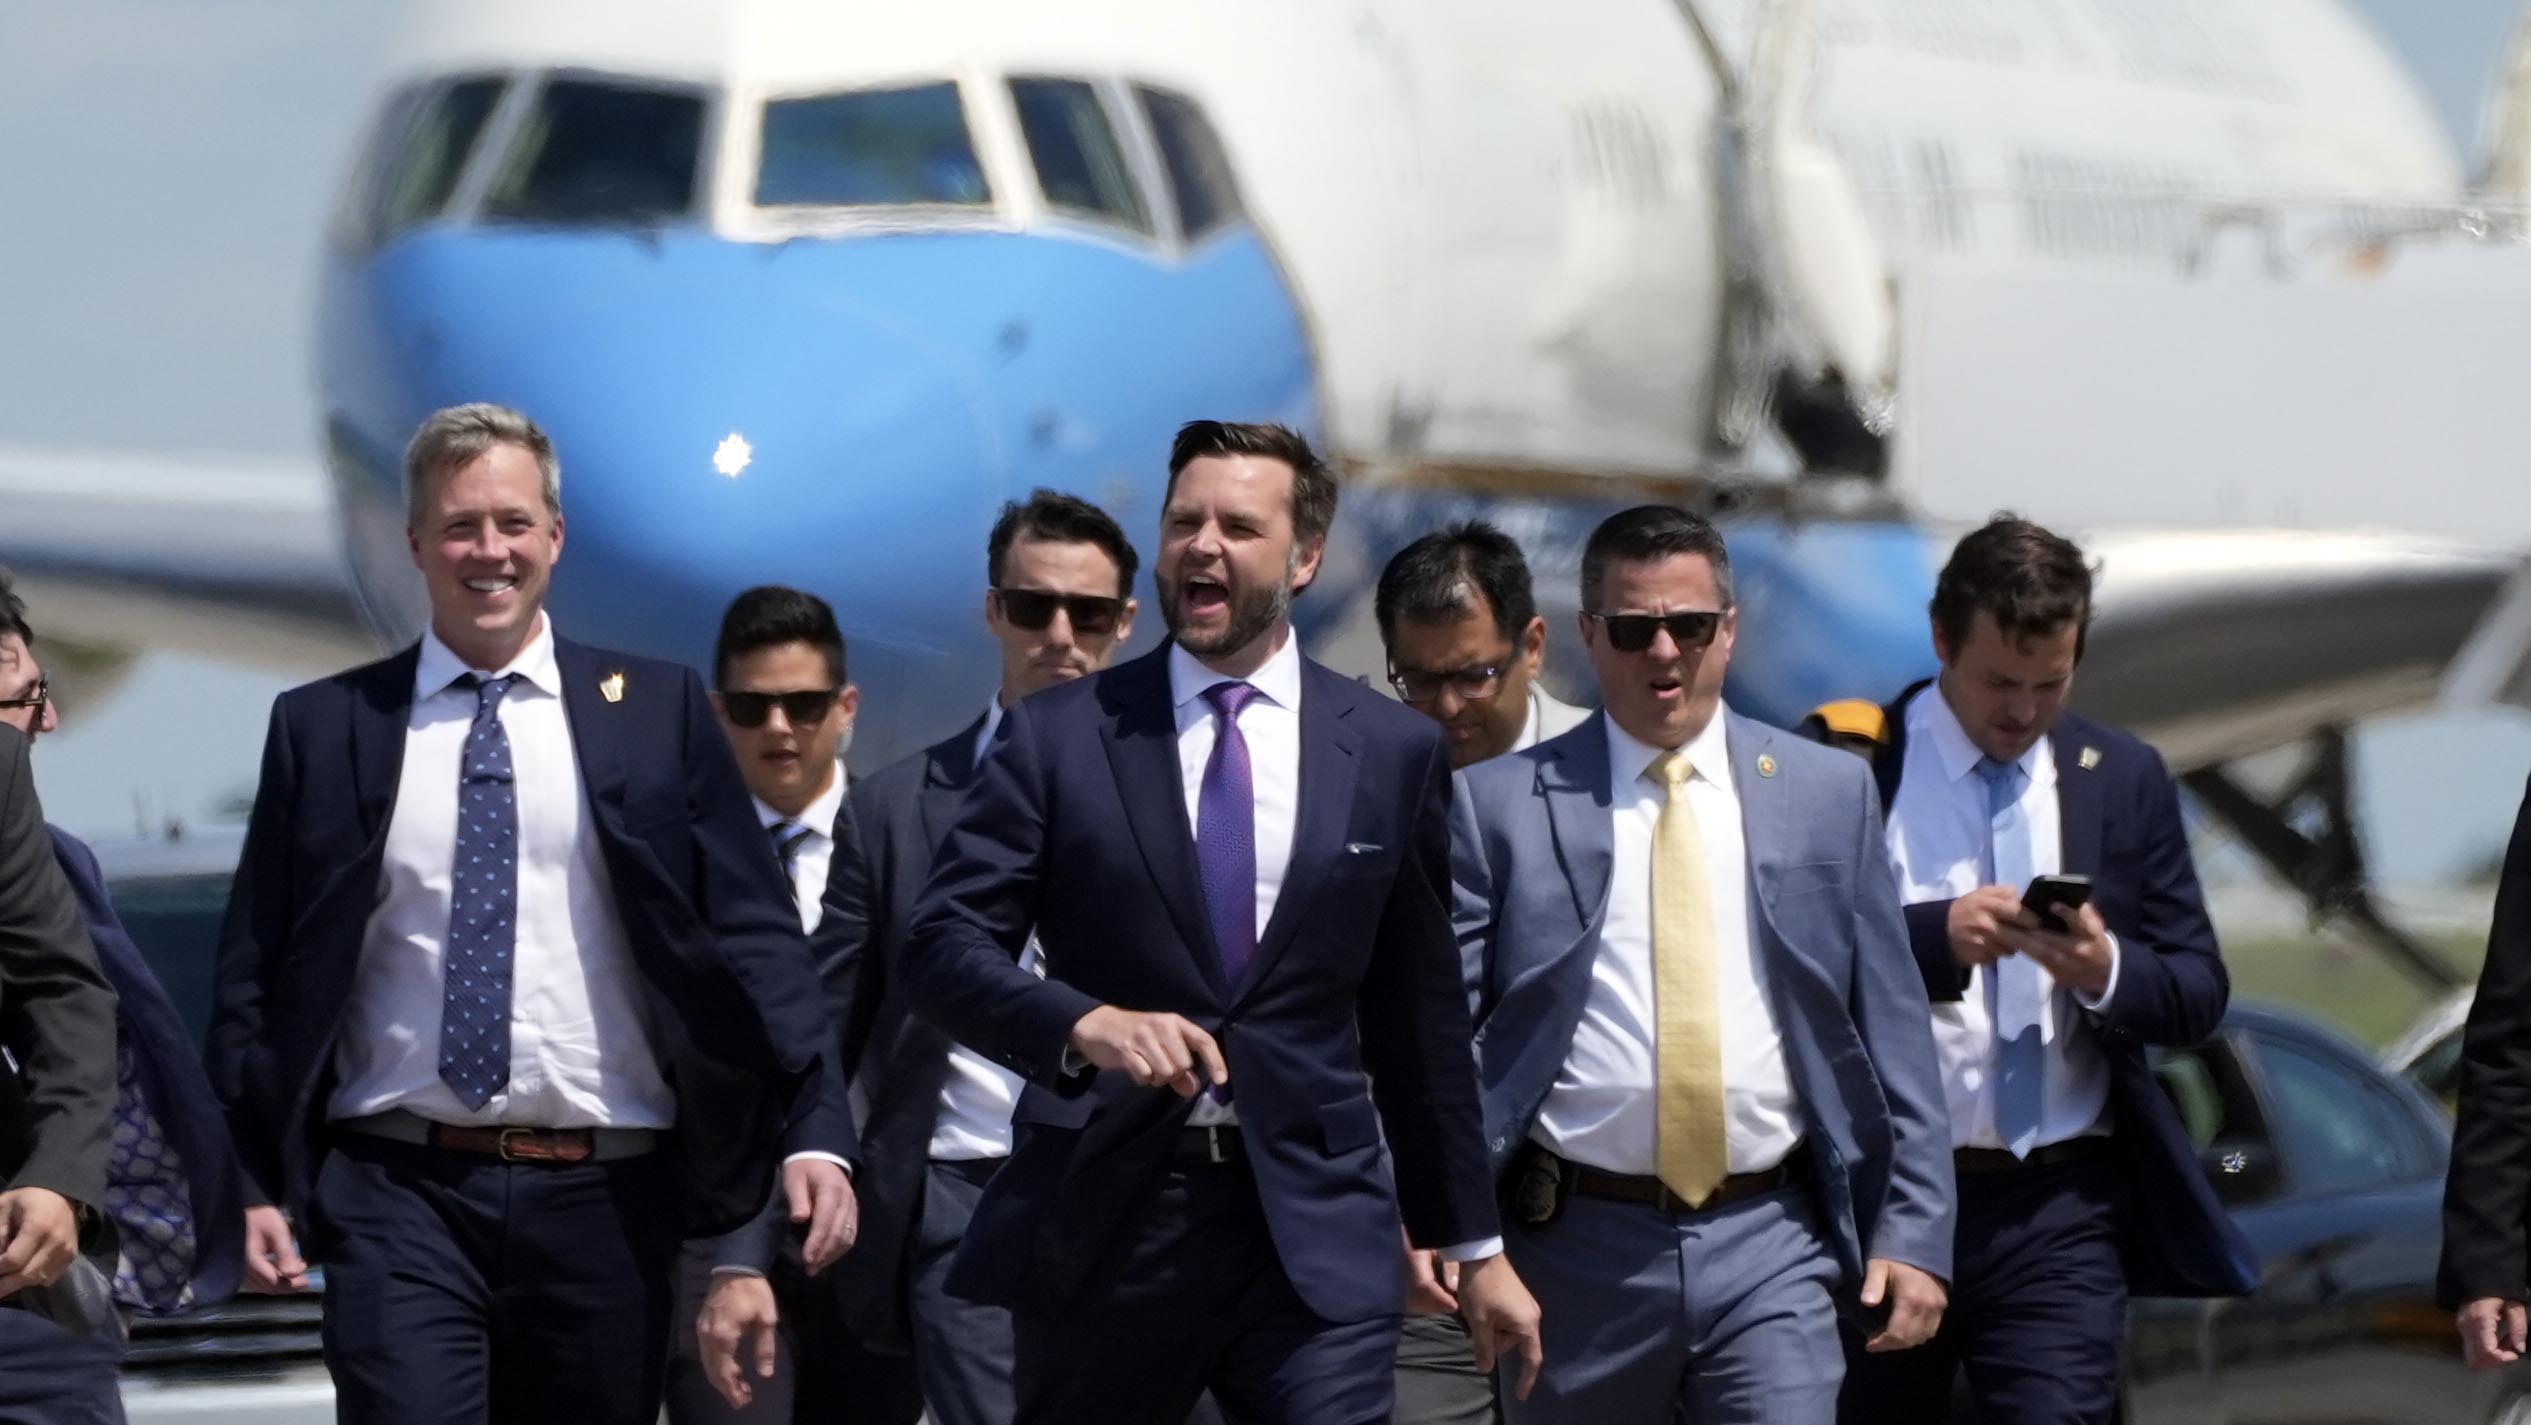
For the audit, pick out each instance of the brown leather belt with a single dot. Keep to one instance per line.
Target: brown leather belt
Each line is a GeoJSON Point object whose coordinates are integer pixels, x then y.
{"type": "Point", "coordinates": [1653, 1193]}
{"type": "Point", "coordinates": [509, 1144]}
{"type": "Point", "coordinates": [1973, 1162]}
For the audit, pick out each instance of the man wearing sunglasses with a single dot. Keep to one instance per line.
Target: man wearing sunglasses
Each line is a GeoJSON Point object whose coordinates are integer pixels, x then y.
{"type": "Point", "coordinates": [1059, 578]}
{"type": "Point", "coordinates": [1465, 642]}
{"type": "Point", "coordinates": [786, 703]}
{"type": "Point", "coordinates": [1707, 1070]}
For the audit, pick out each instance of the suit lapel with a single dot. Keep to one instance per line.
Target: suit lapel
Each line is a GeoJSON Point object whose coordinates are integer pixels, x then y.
{"type": "Point", "coordinates": [2079, 800]}
{"type": "Point", "coordinates": [1331, 758]}
{"type": "Point", "coordinates": [1763, 813]}
{"type": "Point", "coordinates": [1574, 785]}
{"type": "Point", "coordinates": [945, 776]}
{"type": "Point", "coordinates": [1141, 737]}
{"type": "Point", "coordinates": [382, 711]}
{"type": "Point", "coordinates": [591, 717]}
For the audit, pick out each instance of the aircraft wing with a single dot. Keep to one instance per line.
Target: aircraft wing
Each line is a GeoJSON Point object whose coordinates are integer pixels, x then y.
{"type": "Point", "coordinates": [2219, 644]}
{"type": "Point", "coordinates": [130, 552]}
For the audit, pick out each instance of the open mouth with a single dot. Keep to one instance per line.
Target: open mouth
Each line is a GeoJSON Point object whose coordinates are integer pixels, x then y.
{"type": "Point", "coordinates": [1667, 688]}
{"type": "Point", "coordinates": [1205, 596]}
{"type": "Point", "coordinates": [492, 586]}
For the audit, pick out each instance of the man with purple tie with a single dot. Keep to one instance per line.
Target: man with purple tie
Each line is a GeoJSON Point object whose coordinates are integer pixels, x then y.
{"type": "Point", "coordinates": [1236, 863]}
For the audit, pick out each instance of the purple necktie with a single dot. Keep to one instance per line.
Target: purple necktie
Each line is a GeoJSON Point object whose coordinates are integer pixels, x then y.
{"type": "Point", "coordinates": [1226, 834]}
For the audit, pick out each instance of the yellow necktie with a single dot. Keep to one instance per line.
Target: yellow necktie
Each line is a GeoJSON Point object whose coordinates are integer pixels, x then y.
{"type": "Point", "coordinates": [1693, 1150]}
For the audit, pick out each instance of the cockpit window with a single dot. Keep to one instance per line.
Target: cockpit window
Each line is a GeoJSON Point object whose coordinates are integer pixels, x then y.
{"type": "Point", "coordinates": [870, 147]}
{"type": "Point", "coordinates": [433, 154]}
{"type": "Point", "coordinates": [1199, 170]}
{"type": "Point", "coordinates": [595, 151]}
{"type": "Point", "coordinates": [1080, 164]}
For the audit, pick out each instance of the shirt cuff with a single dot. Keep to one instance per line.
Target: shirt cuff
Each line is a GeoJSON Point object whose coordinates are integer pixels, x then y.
{"type": "Point", "coordinates": [1476, 1251]}
{"type": "Point", "coordinates": [821, 1156]}
{"type": "Point", "coordinates": [734, 1270]}
{"type": "Point", "coordinates": [2108, 991]}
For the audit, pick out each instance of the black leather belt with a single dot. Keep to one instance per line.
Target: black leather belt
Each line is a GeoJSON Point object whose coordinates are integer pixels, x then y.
{"type": "Point", "coordinates": [1218, 1144]}
{"type": "Point", "coordinates": [1653, 1193]}
{"type": "Point", "coordinates": [1974, 1162]}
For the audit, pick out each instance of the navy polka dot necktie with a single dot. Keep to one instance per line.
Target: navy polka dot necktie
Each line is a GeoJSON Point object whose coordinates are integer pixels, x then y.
{"type": "Point", "coordinates": [474, 1012]}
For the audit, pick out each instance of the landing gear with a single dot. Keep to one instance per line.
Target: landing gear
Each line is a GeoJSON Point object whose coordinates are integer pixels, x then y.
{"type": "Point", "coordinates": [2326, 864]}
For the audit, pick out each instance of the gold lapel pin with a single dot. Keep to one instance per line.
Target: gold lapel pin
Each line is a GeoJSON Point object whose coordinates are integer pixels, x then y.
{"type": "Point", "coordinates": [1766, 764]}
{"type": "Point", "coordinates": [611, 687]}
{"type": "Point", "coordinates": [2089, 759]}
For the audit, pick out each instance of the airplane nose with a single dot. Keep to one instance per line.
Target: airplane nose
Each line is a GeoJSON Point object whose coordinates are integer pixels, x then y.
{"type": "Point", "coordinates": [734, 425]}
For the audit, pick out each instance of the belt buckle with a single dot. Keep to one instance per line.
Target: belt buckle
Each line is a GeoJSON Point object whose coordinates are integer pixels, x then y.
{"type": "Point", "coordinates": [1213, 1143]}
{"type": "Point", "coordinates": [502, 1145]}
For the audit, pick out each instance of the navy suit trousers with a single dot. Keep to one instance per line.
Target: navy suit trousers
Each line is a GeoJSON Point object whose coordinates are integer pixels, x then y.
{"type": "Point", "coordinates": [460, 1289]}
{"type": "Point", "coordinates": [2037, 1315]}
{"type": "Point", "coordinates": [50, 1377]}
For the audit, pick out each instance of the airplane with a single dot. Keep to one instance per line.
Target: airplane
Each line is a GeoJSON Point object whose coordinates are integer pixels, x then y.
{"type": "Point", "coordinates": [804, 291]}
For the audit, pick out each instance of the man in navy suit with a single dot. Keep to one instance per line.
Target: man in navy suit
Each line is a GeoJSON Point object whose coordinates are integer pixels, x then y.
{"type": "Point", "coordinates": [1702, 1046]}
{"type": "Point", "coordinates": [173, 1192]}
{"type": "Point", "coordinates": [1234, 862]}
{"type": "Point", "coordinates": [936, 1123]}
{"type": "Point", "coordinates": [2078, 1184]}
{"type": "Point", "coordinates": [509, 994]}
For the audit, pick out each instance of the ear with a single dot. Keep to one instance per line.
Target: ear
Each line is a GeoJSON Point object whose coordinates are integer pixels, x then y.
{"type": "Point", "coordinates": [850, 701]}
{"type": "Point", "coordinates": [1125, 623]}
{"type": "Point", "coordinates": [413, 542]}
{"type": "Point", "coordinates": [1305, 568]}
{"type": "Point", "coordinates": [1943, 652]}
{"type": "Point", "coordinates": [1533, 643]}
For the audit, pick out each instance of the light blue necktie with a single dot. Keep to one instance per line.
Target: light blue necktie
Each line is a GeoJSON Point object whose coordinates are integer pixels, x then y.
{"type": "Point", "coordinates": [474, 1011]}
{"type": "Point", "coordinates": [2015, 1000]}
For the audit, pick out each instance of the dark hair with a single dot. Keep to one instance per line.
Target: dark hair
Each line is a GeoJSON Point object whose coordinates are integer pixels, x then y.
{"type": "Point", "coordinates": [2031, 582]}
{"type": "Point", "coordinates": [13, 611]}
{"type": "Point", "coordinates": [1313, 484]}
{"type": "Point", "coordinates": [1065, 519]}
{"type": "Point", "coordinates": [771, 615]}
{"type": "Point", "coordinates": [1648, 533]}
{"type": "Point", "coordinates": [1430, 580]}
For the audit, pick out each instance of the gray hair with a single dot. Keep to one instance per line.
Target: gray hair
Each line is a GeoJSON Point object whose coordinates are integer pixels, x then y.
{"type": "Point", "coordinates": [454, 437]}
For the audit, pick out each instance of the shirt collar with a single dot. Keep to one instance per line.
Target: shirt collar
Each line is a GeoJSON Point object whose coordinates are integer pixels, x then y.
{"type": "Point", "coordinates": [1279, 680]}
{"type": "Point", "coordinates": [439, 666]}
{"type": "Point", "coordinates": [992, 724]}
{"type": "Point", "coordinates": [819, 815]}
{"type": "Point", "coordinates": [1931, 717]}
{"type": "Point", "coordinates": [1708, 752]}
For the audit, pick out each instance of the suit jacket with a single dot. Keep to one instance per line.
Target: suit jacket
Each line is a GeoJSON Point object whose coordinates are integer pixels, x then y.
{"type": "Point", "coordinates": [56, 1011]}
{"type": "Point", "coordinates": [1532, 852]}
{"type": "Point", "coordinates": [740, 1027]}
{"type": "Point", "coordinates": [2119, 822]}
{"type": "Point", "coordinates": [2486, 1248]}
{"type": "Point", "coordinates": [171, 1081]}
{"type": "Point", "coordinates": [1077, 826]}
{"type": "Point", "coordinates": [891, 823]}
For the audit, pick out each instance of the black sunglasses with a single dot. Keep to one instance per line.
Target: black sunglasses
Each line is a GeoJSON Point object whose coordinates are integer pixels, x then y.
{"type": "Point", "coordinates": [1475, 683]}
{"type": "Point", "coordinates": [801, 708]}
{"type": "Point", "coordinates": [43, 690]}
{"type": "Point", "coordinates": [1632, 633]}
{"type": "Point", "coordinates": [1032, 609]}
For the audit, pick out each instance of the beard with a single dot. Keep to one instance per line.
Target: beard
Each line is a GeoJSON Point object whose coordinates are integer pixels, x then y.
{"type": "Point", "coordinates": [1252, 613]}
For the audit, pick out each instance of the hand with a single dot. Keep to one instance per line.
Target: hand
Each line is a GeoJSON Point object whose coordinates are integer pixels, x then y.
{"type": "Point", "coordinates": [273, 1265]}
{"type": "Point", "coordinates": [41, 1232]}
{"type": "Point", "coordinates": [2079, 956]}
{"type": "Point", "coordinates": [1502, 1318]}
{"type": "Point", "coordinates": [1916, 1301]}
{"type": "Point", "coordinates": [1432, 1285]}
{"type": "Point", "coordinates": [1153, 1049]}
{"type": "Point", "coordinates": [2493, 1332]}
{"type": "Point", "coordinates": [739, 1305]}
{"type": "Point", "coordinates": [1978, 922]}
{"type": "Point", "coordinates": [821, 1196]}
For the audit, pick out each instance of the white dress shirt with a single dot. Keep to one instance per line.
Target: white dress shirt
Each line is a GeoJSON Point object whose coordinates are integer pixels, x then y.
{"type": "Point", "coordinates": [1937, 846]}
{"type": "Point", "coordinates": [816, 857]}
{"type": "Point", "coordinates": [977, 1098]}
{"type": "Point", "coordinates": [1603, 1108]}
{"type": "Point", "coordinates": [1271, 724]}
{"type": "Point", "coordinates": [581, 1049]}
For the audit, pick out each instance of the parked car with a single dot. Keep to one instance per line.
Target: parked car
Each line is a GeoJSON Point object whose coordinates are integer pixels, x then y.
{"type": "Point", "coordinates": [2429, 1054]}
{"type": "Point", "coordinates": [2333, 1168]}
{"type": "Point", "coordinates": [255, 1360]}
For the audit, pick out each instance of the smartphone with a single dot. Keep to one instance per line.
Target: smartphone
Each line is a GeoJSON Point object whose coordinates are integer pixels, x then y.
{"type": "Point", "coordinates": [2046, 893]}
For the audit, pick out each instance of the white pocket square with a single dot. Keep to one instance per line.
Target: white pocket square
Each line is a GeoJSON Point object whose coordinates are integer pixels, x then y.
{"type": "Point", "coordinates": [1363, 848]}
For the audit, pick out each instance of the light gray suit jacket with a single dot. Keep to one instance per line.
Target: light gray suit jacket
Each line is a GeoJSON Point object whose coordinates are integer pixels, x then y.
{"type": "Point", "coordinates": [1531, 848]}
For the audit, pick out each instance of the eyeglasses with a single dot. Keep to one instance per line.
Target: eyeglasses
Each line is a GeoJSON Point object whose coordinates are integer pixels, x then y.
{"type": "Point", "coordinates": [1632, 633]}
{"type": "Point", "coordinates": [35, 700]}
{"type": "Point", "coordinates": [1032, 609]}
{"type": "Point", "coordinates": [1476, 682]}
{"type": "Point", "coordinates": [801, 708]}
